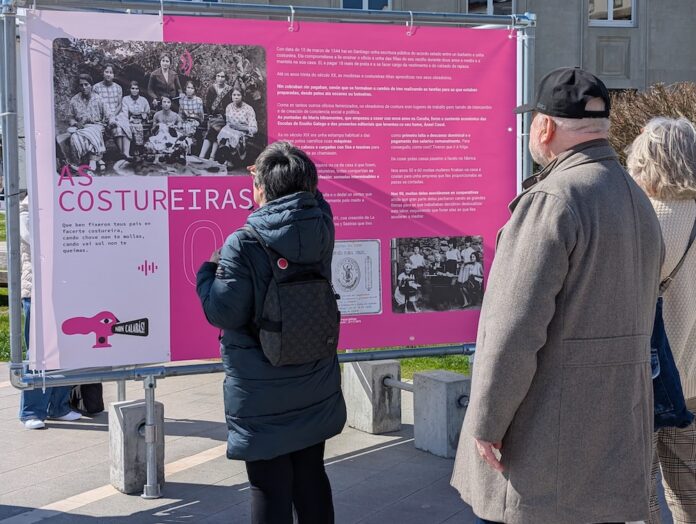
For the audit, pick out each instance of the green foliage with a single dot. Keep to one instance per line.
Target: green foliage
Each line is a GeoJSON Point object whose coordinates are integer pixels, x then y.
{"type": "Point", "coordinates": [455, 363]}
{"type": "Point", "coordinates": [631, 110]}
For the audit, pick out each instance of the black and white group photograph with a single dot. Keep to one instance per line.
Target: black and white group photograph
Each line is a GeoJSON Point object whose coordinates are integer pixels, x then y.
{"type": "Point", "coordinates": [154, 108]}
{"type": "Point", "coordinates": [436, 273]}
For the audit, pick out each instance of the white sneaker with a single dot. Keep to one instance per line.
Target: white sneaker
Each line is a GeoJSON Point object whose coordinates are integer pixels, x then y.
{"type": "Point", "coordinates": [34, 423]}
{"type": "Point", "coordinates": [70, 416]}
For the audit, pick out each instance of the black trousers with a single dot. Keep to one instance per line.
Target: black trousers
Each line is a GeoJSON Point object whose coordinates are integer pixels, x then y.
{"type": "Point", "coordinates": [297, 479]}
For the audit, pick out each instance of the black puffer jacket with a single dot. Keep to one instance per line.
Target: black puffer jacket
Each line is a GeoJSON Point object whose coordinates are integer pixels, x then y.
{"type": "Point", "coordinates": [271, 411]}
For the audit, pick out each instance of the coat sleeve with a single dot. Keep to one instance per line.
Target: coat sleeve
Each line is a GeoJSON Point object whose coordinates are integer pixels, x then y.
{"type": "Point", "coordinates": [226, 290]}
{"type": "Point", "coordinates": [151, 86]}
{"type": "Point", "coordinates": [177, 85]}
{"type": "Point", "coordinates": [24, 221]}
{"type": "Point", "coordinates": [530, 267]}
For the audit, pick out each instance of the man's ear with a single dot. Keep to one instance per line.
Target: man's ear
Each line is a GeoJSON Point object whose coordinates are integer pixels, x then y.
{"type": "Point", "coordinates": [548, 130]}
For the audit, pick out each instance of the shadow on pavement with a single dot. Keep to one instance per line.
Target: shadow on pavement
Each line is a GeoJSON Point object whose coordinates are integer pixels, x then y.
{"type": "Point", "coordinates": [390, 482]}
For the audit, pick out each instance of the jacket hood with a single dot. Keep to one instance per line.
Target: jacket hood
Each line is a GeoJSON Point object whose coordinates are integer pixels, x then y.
{"type": "Point", "coordinates": [298, 226]}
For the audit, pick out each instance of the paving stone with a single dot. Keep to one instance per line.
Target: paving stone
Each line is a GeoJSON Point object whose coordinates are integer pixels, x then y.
{"type": "Point", "coordinates": [376, 478]}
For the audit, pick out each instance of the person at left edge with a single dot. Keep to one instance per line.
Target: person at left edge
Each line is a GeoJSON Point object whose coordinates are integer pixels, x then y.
{"type": "Point", "coordinates": [278, 417]}
{"type": "Point", "coordinates": [36, 405]}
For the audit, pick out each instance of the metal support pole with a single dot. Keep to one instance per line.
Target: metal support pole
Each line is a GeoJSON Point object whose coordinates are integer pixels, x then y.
{"type": "Point", "coordinates": [182, 7]}
{"type": "Point", "coordinates": [120, 390]}
{"type": "Point", "coordinates": [152, 487]}
{"type": "Point", "coordinates": [391, 382]}
{"type": "Point", "coordinates": [63, 378]}
{"type": "Point", "coordinates": [528, 34]}
{"type": "Point", "coordinates": [10, 149]}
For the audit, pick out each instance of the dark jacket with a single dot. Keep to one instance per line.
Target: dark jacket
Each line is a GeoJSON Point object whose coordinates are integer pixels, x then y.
{"type": "Point", "coordinates": [157, 86]}
{"type": "Point", "coordinates": [271, 411]}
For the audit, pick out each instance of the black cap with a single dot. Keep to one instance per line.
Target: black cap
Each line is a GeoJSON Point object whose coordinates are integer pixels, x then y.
{"type": "Point", "coordinates": [565, 92]}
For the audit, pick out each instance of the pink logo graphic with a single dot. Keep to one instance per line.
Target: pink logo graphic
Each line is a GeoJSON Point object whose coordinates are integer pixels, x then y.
{"type": "Point", "coordinates": [186, 63]}
{"type": "Point", "coordinates": [148, 267]}
{"type": "Point", "coordinates": [100, 324]}
{"type": "Point", "coordinates": [103, 325]}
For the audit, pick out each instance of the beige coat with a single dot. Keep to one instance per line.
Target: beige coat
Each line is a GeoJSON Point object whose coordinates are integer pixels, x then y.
{"type": "Point", "coordinates": [676, 220]}
{"type": "Point", "coordinates": [25, 247]}
{"type": "Point", "coordinates": [562, 374]}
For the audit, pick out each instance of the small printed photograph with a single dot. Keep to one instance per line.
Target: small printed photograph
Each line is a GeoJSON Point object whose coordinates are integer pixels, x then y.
{"type": "Point", "coordinates": [154, 108]}
{"type": "Point", "coordinates": [356, 277]}
{"type": "Point", "coordinates": [437, 273]}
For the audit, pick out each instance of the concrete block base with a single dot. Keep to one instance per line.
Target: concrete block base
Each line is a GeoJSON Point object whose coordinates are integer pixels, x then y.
{"type": "Point", "coordinates": [127, 445]}
{"type": "Point", "coordinates": [437, 411]}
{"type": "Point", "coordinates": [372, 407]}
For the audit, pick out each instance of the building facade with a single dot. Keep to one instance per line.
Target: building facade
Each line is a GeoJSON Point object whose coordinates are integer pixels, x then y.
{"type": "Point", "coordinates": [630, 44]}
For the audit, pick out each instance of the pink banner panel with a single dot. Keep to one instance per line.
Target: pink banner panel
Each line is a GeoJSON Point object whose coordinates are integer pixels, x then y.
{"type": "Point", "coordinates": [138, 158]}
{"type": "Point", "coordinates": [414, 138]}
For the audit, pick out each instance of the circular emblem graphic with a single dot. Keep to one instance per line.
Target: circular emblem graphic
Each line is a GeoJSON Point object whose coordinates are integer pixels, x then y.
{"type": "Point", "coordinates": [348, 274]}
{"type": "Point", "coordinates": [282, 263]}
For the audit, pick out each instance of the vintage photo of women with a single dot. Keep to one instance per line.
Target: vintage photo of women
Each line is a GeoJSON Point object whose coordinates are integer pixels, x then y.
{"type": "Point", "coordinates": [158, 109]}
{"type": "Point", "coordinates": [437, 273]}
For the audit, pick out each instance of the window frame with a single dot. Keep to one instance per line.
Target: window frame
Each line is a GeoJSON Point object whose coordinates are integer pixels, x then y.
{"type": "Point", "coordinates": [609, 21]}
{"type": "Point", "coordinates": [490, 8]}
{"type": "Point", "coordinates": [366, 5]}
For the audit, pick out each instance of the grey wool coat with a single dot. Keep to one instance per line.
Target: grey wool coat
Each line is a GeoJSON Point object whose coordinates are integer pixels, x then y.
{"type": "Point", "coordinates": [562, 373]}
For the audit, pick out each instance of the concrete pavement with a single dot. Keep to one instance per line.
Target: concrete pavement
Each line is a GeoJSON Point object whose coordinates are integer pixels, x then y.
{"type": "Point", "coordinates": [61, 474]}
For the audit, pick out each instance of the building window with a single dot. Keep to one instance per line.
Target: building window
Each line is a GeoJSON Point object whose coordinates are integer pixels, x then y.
{"type": "Point", "coordinates": [612, 12]}
{"type": "Point", "coordinates": [491, 7]}
{"type": "Point", "coordinates": [378, 5]}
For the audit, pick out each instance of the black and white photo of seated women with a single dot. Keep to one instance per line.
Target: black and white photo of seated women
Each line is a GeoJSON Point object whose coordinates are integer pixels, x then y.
{"type": "Point", "coordinates": [240, 126]}
{"type": "Point", "coordinates": [435, 274]}
{"type": "Point", "coordinates": [135, 119]}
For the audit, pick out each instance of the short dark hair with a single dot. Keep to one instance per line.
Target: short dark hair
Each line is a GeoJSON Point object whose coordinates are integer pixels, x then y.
{"type": "Point", "coordinates": [237, 86]}
{"type": "Point", "coordinates": [134, 83]}
{"type": "Point", "coordinates": [283, 169]}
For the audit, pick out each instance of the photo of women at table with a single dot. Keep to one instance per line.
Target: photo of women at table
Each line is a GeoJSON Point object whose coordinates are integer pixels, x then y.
{"type": "Point", "coordinates": [431, 274]}
{"type": "Point", "coordinates": [126, 108]}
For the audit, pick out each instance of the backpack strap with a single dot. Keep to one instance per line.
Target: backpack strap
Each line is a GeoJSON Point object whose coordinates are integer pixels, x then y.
{"type": "Point", "coordinates": [667, 281]}
{"type": "Point", "coordinates": [273, 257]}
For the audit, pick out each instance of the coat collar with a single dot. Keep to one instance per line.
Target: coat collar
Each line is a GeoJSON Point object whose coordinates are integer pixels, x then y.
{"type": "Point", "coordinates": [583, 153]}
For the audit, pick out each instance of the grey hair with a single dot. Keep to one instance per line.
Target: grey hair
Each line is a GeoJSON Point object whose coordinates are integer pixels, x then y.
{"type": "Point", "coordinates": [283, 169]}
{"type": "Point", "coordinates": [582, 125]}
{"type": "Point", "coordinates": [662, 159]}
{"type": "Point", "coordinates": [585, 125]}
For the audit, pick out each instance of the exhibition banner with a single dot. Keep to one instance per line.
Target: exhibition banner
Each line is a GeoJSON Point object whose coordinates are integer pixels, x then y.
{"type": "Point", "coordinates": [141, 129]}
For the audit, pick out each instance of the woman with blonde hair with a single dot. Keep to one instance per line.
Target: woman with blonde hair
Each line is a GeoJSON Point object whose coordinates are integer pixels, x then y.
{"type": "Point", "coordinates": [662, 160]}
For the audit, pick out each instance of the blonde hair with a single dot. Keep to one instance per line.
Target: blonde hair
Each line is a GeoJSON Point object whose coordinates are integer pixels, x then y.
{"type": "Point", "coordinates": [662, 159]}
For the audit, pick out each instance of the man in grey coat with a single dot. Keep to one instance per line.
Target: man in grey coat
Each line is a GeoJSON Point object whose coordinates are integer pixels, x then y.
{"type": "Point", "coordinates": [559, 426]}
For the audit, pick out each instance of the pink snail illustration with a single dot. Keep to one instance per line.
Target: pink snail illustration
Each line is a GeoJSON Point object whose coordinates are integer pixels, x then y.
{"type": "Point", "coordinates": [100, 324]}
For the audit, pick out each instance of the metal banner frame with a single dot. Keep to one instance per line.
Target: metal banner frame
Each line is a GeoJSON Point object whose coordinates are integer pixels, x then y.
{"type": "Point", "coordinates": [521, 26]}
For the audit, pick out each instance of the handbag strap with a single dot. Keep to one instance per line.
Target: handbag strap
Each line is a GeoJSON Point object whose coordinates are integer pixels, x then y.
{"type": "Point", "coordinates": [667, 281]}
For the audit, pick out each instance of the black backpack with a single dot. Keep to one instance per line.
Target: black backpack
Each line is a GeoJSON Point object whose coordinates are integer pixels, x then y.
{"type": "Point", "coordinates": [87, 398]}
{"type": "Point", "coordinates": [300, 320]}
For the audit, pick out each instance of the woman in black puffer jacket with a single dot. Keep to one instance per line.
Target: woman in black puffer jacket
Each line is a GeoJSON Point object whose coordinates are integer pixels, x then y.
{"type": "Point", "coordinates": [278, 417]}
